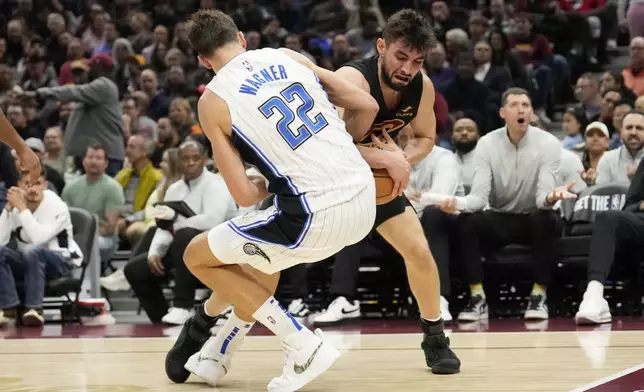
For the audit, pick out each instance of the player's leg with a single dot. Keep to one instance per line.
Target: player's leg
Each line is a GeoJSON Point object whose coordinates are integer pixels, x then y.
{"type": "Point", "coordinates": [210, 258]}
{"type": "Point", "coordinates": [225, 279]}
{"type": "Point", "coordinates": [213, 361]}
{"type": "Point", "coordinates": [405, 233]}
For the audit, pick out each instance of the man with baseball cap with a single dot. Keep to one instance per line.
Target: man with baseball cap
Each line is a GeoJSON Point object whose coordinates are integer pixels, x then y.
{"type": "Point", "coordinates": [619, 165]}
{"type": "Point", "coordinates": [55, 179]}
{"type": "Point", "coordinates": [97, 114]}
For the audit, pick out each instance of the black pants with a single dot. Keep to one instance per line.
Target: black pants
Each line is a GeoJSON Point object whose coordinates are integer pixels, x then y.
{"type": "Point", "coordinates": [144, 243]}
{"type": "Point", "coordinates": [440, 230]}
{"type": "Point", "coordinates": [487, 231]}
{"type": "Point", "coordinates": [614, 233]}
{"type": "Point", "coordinates": [298, 278]}
{"type": "Point", "coordinates": [346, 267]}
{"type": "Point", "coordinates": [147, 286]}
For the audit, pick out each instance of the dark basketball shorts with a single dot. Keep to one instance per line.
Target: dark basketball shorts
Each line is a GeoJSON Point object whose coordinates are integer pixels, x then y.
{"type": "Point", "coordinates": [397, 206]}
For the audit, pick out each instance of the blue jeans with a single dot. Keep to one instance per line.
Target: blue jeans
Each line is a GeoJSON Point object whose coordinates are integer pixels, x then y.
{"type": "Point", "coordinates": [34, 266]}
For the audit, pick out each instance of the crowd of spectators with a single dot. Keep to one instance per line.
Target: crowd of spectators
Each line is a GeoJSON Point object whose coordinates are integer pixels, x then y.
{"type": "Point", "coordinates": [105, 93]}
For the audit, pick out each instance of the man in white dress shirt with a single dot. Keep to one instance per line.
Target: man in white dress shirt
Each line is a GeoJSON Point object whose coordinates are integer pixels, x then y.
{"type": "Point", "coordinates": [204, 193]}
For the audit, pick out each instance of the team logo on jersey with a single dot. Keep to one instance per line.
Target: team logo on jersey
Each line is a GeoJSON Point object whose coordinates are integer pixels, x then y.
{"type": "Point", "coordinates": [246, 64]}
{"type": "Point", "coordinates": [252, 250]}
{"type": "Point", "coordinates": [406, 112]}
{"type": "Point", "coordinates": [389, 126]}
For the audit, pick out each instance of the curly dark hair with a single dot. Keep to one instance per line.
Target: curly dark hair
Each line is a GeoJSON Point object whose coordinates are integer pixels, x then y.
{"type": "Point", "coordinates": [412, 27]}
{"type": "Point", "coordinates": [209, 30]}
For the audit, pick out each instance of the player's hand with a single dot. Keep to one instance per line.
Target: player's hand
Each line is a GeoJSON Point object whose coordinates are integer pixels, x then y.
{"type": "Point", "coordinates": [448, 206]}
{"type": "Point", "coordinates": [388, 145]}
{"type": "Point", "coordinates": [630, 171]}
{"type": "Point", "coordinates": [399, 170]}
{"type": "Point", "coordinates": [30, 162]}
{"type": "Point", "coordinates": [561, 193]}
{"type": "Point", "coordinates": [398, 167]}
{"type": "Point", "coordinates": [589, 176]}
{"type": "Point", "coordinates": [156, 265]}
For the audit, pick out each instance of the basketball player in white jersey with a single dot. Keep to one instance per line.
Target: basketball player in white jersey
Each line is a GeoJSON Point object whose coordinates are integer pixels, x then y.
{"type": "Point", "coordinates": [268, 108]}
{"type": "Point", "coordinates": [28, 158]}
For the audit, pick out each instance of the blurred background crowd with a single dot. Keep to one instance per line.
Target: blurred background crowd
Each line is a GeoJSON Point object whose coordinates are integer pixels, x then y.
{"type": "Point", "coordinates": [105, 93]}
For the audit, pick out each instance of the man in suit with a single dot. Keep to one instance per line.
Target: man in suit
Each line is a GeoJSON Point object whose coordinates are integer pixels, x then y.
{"type": "Point", "coordinates": [614, 232]}
{"type": "Point", "coordinates": [468, 97]}
{"type": "Point", "coordinates": [494, 77]}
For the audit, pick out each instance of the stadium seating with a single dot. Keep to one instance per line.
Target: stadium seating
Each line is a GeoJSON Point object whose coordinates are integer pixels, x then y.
{"type": "Point", "coordinates": [85, 232]}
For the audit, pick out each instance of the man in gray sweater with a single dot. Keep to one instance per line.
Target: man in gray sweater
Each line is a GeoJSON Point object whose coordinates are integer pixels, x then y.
{"type": "Point", "coordinates": [516, 169]}
{"type": "Point", "coordinates": [97, 114]}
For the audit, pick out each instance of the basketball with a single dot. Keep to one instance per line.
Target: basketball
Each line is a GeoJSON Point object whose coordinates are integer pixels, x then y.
{"type": "Point", "coordinates": [384, 186]}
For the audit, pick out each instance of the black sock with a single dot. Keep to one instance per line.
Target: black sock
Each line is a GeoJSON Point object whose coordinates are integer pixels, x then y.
{"type": "Point", "coordinates": [431, 327]}
{"type": "Point", "coordinates": [203, 321]}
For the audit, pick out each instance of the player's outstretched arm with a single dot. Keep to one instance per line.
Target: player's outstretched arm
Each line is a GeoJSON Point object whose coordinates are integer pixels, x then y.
{"type": "Point", "coordinates": [214, 117]}
{"type": "Point", "coordinates": [424, 126]}
{"type": "Point", "coordinates": [28, 158]}
{"type": "Point", "coordinates": [359, 102]}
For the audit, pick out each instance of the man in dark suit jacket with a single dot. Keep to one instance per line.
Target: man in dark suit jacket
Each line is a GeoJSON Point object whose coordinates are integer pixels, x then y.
{"type": "Point", "coordinates": [496, 78]}
{"type": "Point", "coordinates": [614, 232]}
{"type": "Point", "coordinates": [467, 96]}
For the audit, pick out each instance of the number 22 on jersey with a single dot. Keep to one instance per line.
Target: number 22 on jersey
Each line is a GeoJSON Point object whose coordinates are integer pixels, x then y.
{"type": "Point", "coordinates": [284, 105]}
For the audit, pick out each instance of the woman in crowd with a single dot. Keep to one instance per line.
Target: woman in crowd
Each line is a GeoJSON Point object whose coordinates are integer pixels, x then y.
{"type": "Point", "coordinates": [182, 117]}
{"type": "Point", "coordinates": [573, 125]}
{"type": "Point", "coordinates": [596, 144]}
{"type": "Point", "coordinates": [615, 80]}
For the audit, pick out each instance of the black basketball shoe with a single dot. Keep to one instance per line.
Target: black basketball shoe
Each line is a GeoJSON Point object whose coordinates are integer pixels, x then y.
{"type": "Point", "coordinates": [193, 336]}
{"type": "Point", "coordinates": [438, 355]}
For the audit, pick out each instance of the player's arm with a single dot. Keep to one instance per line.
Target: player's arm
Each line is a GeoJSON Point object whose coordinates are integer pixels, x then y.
{"type": "Point", "coordinates": [214, 117]}
{"type": "Point", "coordinates": [423, 125]}
{"type": "Point", "coordinates": [362, 106]}
{"type": "Point", "coordinates": [28, 158]}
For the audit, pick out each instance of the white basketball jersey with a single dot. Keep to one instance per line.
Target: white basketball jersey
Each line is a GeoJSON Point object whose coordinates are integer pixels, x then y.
{"type": "Point", "coordinates": [284, 124]}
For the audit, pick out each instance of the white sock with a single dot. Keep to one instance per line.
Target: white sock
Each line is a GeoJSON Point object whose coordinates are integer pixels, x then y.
{"type": "Point", "coordinates": [274, 317]}
{"type": "Point", "coordinates": [596, 287]}
{"type": "Point", "coordinates": [229, 337]}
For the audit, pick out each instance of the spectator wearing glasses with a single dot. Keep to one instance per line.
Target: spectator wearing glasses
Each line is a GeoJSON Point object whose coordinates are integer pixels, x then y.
{"type": "Point", "coordinates": [633, 75]}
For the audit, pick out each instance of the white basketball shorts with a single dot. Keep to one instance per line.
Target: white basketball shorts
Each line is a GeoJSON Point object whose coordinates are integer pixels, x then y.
{"type": "Point", "coordinates": [271, 241]}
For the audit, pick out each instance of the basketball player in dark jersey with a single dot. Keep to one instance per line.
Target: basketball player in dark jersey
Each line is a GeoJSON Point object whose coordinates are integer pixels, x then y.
{"type": "Point", "coordinates": [28, 158]}
{"type": "Point", "coordinates": [406, 99]}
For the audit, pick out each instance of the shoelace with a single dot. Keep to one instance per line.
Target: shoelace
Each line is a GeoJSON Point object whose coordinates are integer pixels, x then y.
{"type": "Point", "coordinates": [473, 304]}
{"type": "Point", "coordinates": [535, 302]}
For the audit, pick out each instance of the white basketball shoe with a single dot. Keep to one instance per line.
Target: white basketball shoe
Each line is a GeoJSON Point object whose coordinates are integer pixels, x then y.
{"type": "Point", "coordinates": [209, 366]}
{"type": "Point", "coordinates": [306, 364]}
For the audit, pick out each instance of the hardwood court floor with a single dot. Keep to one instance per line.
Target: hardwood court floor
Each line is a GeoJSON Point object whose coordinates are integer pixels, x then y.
{"type": "Point", "coordinates": [497, 361]}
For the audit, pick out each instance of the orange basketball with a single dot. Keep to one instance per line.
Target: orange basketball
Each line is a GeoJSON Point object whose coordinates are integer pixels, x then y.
{"type": "Point", "coordinates": [384, 186]}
